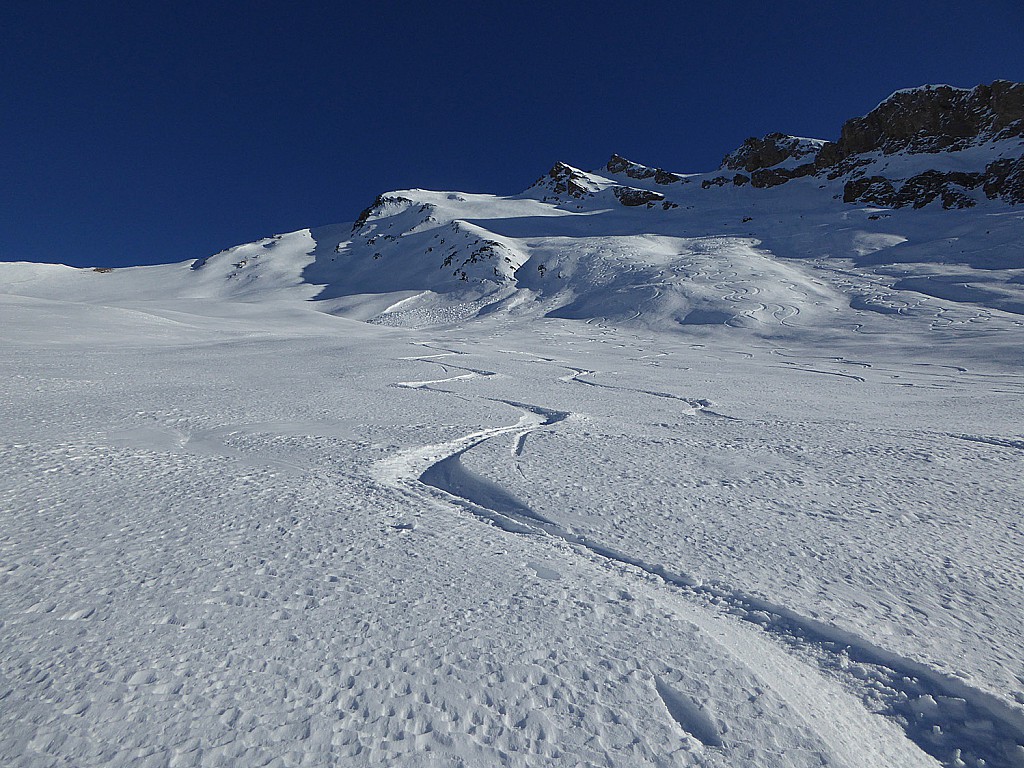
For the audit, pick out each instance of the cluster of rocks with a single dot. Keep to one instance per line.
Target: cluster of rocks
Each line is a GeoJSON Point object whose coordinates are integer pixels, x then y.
{"type": "Point", "coordinates": [774, 149]}
{"type": "Point", "coordinates": [762, 178]}
{"type": "Point", "coordinates": [619, 164]}
{"type": "Point", "coordinates": [485, 250]}
{"type": "Point", "coordinates": [564, 181]}
{"type": "Point", "coordinates": [931, 119]}
{"type": "Point", "coordinates": [1002, 179]}
{"type": "Point", "coordinates": [926, 120]}
{"type": "Point", "coordinates": [631, 196]}
{"type": "Point", "coordinates": [1005, 179]}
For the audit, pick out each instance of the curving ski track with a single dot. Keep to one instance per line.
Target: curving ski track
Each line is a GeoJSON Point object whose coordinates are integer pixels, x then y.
{"type": "Point", "coordinates": [955, 723]}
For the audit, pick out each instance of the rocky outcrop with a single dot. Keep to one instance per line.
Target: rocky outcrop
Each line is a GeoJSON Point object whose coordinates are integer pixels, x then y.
{"type": "Point", "coordinates": [874, 161]}
{"type": "Point", "coordinates": [1002, 179]}
{"type": "Point", "coordinates": [772, 177]}
{"type": "Point", "coordinates": [1005, 179]}
{"type": "Point", "coordinates": [664, 177]}
{"type": "Point", "coordinates": [920, 190]}
{"type": "Point", "coordinates": [934, 118]}
{"type": "Point", "coordinates": [931, 119]}
{"type": "Point", "coordinates": [376, 207]}
{"type": "Point", "coordinates": [876, 190]}
{"type": "Point", "coordinates": [917, 191]}
{"type": "Point", "coordinates": [620, 165]}
{"type": "Point", "coordinates": [720, 181]}
{"type": "Point", "coordinates": [564, 180]}
{"type": "Point", "coordinates": [775, 148]}
{"type": "Point", "coordinates": [630, 196]}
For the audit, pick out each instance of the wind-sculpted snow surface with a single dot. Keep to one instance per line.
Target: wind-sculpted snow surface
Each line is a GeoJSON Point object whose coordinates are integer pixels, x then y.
{"type": "Point", "coordinates": [940, 713]}
{"type": "Point", "coordinates": [284, 536]}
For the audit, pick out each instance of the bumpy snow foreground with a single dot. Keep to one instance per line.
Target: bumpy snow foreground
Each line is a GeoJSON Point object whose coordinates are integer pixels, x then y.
{"type": "Point", "coordinates": [725, 477]}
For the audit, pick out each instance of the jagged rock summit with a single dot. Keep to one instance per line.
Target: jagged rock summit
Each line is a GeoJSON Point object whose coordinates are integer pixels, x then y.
{"type": "Point", "coordinates": [937, 118]}
{"type": "Point", "coordinates": [978, 133]}
{"type": "Point", "coordinates": [774, 150]}
{"type": "Point", "coordinates": [633, 243]}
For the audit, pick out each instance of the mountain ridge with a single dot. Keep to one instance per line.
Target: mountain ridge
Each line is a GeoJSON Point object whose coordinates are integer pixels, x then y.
{"type": "Point", "coordinates": [793, 241]}
{"type": "Point", "coordinates": [924, 120]}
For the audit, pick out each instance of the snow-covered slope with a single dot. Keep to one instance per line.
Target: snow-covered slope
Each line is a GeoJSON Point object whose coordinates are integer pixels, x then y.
{"type": "Point", "coordinates": [790, 236]}
{"type": "Point", "coordinates": [634, 468]}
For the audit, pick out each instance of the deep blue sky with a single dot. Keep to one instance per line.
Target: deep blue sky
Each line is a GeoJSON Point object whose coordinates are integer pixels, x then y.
{"type": "Point", "coordinates": [136, 133]}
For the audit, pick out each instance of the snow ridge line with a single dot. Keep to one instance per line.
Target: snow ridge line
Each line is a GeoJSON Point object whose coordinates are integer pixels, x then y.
{"type": "Point", "coordinates": [695, 404]}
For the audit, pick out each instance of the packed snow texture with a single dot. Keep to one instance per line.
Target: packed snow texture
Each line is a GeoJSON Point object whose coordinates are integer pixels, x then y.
{"type": "Point", "coordinates": [728, 478]}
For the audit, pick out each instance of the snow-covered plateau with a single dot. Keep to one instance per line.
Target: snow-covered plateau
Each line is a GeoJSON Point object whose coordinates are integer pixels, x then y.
{"type": "Point", "coordinates": [635, 468]}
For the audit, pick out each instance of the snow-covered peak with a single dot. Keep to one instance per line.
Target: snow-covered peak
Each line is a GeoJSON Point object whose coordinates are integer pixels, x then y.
{"type": "Point", "coordinates": [565, 181]}
{"type": "Point", "coordinates": [581, 190]}
{"type": "Point", "coordinates": [631, 241]}
{"type": "Point", "coordinates": [385, 205]}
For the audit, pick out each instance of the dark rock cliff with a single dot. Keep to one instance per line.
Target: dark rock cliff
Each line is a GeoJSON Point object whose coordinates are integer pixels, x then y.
{"type": "Point", "coordinates": [775, 148]}
{"type": "Point", "coordinates": [619, 164]}
{"type": "Point", "coordinates": [935, 119]}
{"type": "Point", "coordinates": [931, 119]}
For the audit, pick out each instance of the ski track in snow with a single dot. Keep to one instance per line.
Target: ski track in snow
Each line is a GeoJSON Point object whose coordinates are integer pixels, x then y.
{"type": "Point", "coordinates": [694, 404]}
{"type": "Point", "coordinates": [690, 715]}
{"type": "Point", "coordinates": [942, 715]}
{"type": "Point", "coordinates": [1000, 442]}
{"type": "Point", "coordinates": [275, 601]}
{"type": "Point", "coordinates": [796, 367]}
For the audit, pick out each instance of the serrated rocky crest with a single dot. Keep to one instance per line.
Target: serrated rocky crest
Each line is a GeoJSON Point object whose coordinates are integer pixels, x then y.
{"type": "Point", "coordinates": [585, 244]}
{"type": "Point", "coordinates": [981, 127]}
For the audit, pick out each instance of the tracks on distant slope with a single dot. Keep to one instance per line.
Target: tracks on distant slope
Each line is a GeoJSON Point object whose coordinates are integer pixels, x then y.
{"type": "Point", "coordinates": [696, 405]}
{"type": "Point", "coordinates": [957, 724]}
